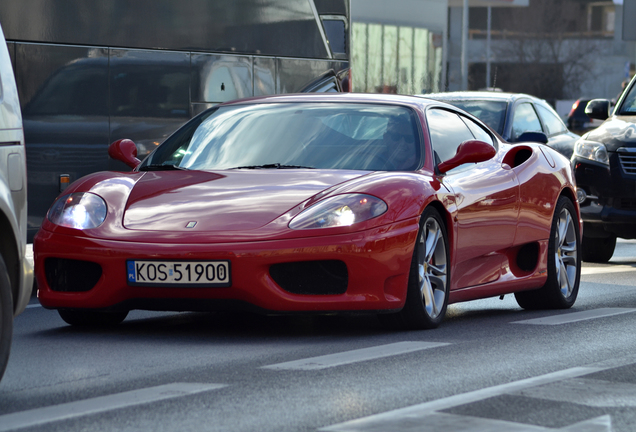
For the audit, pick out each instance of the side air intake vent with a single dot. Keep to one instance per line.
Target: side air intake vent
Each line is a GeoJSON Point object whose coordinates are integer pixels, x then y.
{"type": "Point", "coordinates": [528, 257]}
{"type": "Point", "coordinates": [311, 277]}
{"type": "Point", "coordinates": [71, 275]}
{"type": "Point", "coordinates": [517, 155]}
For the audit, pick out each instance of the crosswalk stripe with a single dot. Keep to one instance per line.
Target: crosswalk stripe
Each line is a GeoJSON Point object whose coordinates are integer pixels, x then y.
{"type": "Point", "coordinates": [609, 269]}
{"type": "Point", "coordinates": [386, 420]}
{"type": "Point", "coordinates": [40, 416]}
{"type": "Point", "coordinates": [570, 317]}
{"type": "Point", "coordinates": [354, 356]}
{"type": "Point", "coordinates": [417, 414]}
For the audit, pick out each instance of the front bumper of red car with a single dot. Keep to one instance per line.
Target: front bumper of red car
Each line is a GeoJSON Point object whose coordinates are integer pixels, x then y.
{"type": "Point", "coordinates": [76, 272]}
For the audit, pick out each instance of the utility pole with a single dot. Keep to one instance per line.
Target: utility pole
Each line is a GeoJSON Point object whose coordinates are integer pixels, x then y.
{"type": "Point", "coordinates": [464, 58]}
{"type": "Point", "coordinates": [489, 26]}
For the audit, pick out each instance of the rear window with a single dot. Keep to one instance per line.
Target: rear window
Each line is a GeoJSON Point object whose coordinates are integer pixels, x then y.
{"type": "Point", "coordinates": [490, 112]}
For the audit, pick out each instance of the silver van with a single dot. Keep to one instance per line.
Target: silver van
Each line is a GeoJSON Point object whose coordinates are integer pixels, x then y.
{"type": "Point", "coordinates": [16, 272]}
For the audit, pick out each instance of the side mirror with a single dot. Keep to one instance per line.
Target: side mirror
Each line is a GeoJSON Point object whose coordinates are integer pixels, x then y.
{"type": "Point", "coordinates": [539, 137]}
{"type": "Point", "coordinates": [471, 151]}
{"type": "Point", "coordinates": [598, 109]}
{"type": "Point", "coordinates": [124, 150]}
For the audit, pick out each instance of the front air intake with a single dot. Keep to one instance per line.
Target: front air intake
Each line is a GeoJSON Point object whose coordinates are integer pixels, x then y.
{"type": "Point", "coordinates": [69, 275]}
{"type": "Point", "coordinates": [311, 277]}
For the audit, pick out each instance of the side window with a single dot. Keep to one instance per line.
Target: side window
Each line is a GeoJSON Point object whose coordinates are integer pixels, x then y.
{"type": "Point", "coordinates": [447, 132]}
{"type": "Point", "coordinates": [629, 104]}
{"type": "Point", "coordinates": [151, 91]}
{"type": "Point", "coordinates": [336, 32]}
{"type": "Point", "coordinates": [525, 120]}
{"type": "Point", "coordinates": [478, 132]}
{"type": "Point", "coordinates": [551, 121]}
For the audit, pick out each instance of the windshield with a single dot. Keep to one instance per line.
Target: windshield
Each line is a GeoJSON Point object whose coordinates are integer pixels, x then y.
{"type": "Point", "coordinates": [628, 107]}
{"type": "Point", "coordinates": [490, 112]}
{"type": "Point", "coordinates": [295, 135]}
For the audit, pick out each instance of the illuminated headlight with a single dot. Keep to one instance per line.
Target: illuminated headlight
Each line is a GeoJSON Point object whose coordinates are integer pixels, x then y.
{"type": "Point", "coordinates": [591, 150]}
{"type": "Point", "coordinates": [81, 210]}
{"type": "Point", "coordinates": [341, 210]}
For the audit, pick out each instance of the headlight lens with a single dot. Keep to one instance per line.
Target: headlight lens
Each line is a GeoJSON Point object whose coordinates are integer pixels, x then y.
{"type": "Point", "coordinates": [81, 210]}
{"type": "Point", "coordinates": [591, 150]}
{"type": "Point", "coordinates": [341, 210]}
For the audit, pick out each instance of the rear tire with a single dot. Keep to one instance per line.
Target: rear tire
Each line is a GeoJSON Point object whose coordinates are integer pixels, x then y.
{"type": "Point", "coordinates": [598, 250]}
{"type": "Point", "coordinates": [429, 278]}
{"type": "Point", "coordinates": [6, 317]}
{"type": "Point", "coordinates": [89, 318]}
{"type": "Point", "coordinates": [564, 263]}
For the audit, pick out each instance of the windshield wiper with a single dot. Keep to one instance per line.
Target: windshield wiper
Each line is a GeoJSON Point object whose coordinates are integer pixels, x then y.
{"type": "Point", "coordinates": [272, 166]}
{"type": "Point", "coordinates": [160, 167]}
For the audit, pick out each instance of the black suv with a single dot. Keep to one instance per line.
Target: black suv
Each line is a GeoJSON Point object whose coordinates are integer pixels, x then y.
{"type": "Point", "coordinates": [604, 163]}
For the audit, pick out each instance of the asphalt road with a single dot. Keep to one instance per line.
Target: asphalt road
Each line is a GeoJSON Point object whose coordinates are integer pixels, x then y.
{"type": "Point", "coordinates": [491, 366]}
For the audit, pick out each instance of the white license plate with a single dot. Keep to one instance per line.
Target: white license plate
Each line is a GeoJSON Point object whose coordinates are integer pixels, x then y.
{"type": "Point", "coordinates": [179, 273]}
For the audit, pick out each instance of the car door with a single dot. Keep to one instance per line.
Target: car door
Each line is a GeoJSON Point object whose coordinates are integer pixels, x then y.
{"type": "Point", "coordinates": [559, 138]}
{"type": "Point", "coordinates": [486, 198]}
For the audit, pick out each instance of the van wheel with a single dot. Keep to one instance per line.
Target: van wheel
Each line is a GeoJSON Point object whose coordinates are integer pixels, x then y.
{"type": "Point", "coordinates": [6, 317]}
{"type": "Point", "coordinates": [598, 250]}
{"type": "Point", "coordinates": [90, 318]}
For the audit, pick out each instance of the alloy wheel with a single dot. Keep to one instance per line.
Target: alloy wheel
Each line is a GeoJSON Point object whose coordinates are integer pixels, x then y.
{"type": "Point", "coordinates": [432, 268]}
{"type": "Point", "coordinates": [565, 255]}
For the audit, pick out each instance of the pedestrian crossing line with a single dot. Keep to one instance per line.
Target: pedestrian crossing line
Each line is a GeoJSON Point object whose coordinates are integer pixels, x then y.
{"type": "Point", "coordinates": [355, 356]}
{"type": "Point", "coordinates": [70, 410]}
{"type": "Point", "coordinates": [585, 271]}
{"type": "Point", "coordinates": [418, 414]}
{"type": "Point", "coordinates": [570, 317]}
{"type": "Point", "coordinates": [586, 391]}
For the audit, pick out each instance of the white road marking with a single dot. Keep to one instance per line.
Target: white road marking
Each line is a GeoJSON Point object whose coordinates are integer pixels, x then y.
{"type": "Point", "coordinates": [602, 270]}
{"type": "Point", "coordinates": [418, 414]}
{"type": "Point", "coordinates": [586, 391]}
{"type": "Point", "coordinates": [571, 317]}
{"type": "Point", "coordinates": [354, 356]}
{"type": "Point", "coordinates": [34, 305]}
{"type": "Point", "coordinates": [459, 423]}
{"type": "Point", "coordinates": [40, 416]}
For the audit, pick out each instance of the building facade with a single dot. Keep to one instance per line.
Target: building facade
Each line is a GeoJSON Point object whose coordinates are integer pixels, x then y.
{"type": "Point", "coordinates": [398, 46]}
{"type": "Point", "coordinates": [553, 49]}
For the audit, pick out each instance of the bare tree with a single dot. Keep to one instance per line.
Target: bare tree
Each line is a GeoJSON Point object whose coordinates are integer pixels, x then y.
{"type": "Point", "coordinates": [546, 47]}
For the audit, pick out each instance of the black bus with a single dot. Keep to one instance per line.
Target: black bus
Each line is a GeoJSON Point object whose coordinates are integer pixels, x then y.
{"type": "Point", "coordinates": [92, 72]}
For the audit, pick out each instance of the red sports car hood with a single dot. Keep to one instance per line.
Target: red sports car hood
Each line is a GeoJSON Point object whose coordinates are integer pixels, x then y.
{"type": "Point", "coordinates": [223, 201]}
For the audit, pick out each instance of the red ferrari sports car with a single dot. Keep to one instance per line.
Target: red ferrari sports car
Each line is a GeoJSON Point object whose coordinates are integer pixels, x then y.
{"type": "Point", "coordinates": [385, 204]}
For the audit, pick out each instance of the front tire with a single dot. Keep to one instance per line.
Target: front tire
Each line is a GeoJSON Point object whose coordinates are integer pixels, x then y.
{"type": "Point", "coordinates": [429, 278]}
{"type": "Point", "coordinates": [89, 318]}
{"type": "Point", "coordinates": [564, 263]}
{"type": "Point", "coordinates": [6, 317]}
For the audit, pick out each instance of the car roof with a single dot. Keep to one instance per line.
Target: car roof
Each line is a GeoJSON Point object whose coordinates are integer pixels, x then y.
{"type": "Point", "coordinates": [479, 95]}
{"type": "Point", "coordinates": [381, 98]}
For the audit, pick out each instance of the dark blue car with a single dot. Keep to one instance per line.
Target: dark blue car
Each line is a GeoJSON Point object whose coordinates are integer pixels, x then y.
{"type": "Point", "coordinates": [516, 117]}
